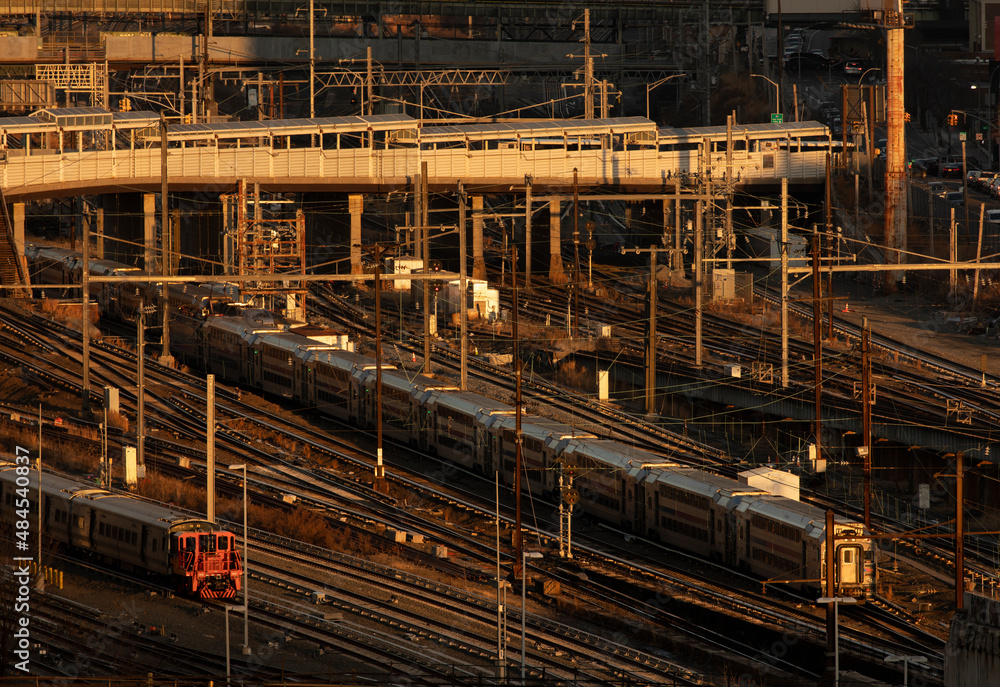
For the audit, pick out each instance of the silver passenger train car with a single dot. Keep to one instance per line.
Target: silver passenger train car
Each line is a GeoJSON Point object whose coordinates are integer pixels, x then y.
{"type": "Point", "coordinates": [709, 515]}
{"type": "Point", "coordinates": [199, 557]}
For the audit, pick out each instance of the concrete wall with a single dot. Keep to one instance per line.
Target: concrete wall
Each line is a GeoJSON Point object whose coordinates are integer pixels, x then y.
{"type": "Point", "coordinates": [972, 657]}
{"type": "Point", "coordinates": [19, 48]}
{"type": "Point", "coordinates": [236, 50]}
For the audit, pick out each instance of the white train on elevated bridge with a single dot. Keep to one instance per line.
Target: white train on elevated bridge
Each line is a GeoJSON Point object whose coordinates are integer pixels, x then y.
{"type": "Point", "coordinates": [70, 151]}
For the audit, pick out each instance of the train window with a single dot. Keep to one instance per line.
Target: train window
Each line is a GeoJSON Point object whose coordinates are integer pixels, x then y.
{"type": "Point", "coordinates": [223, 542]}
{"type": "Point", "coordinates": [206, 542]}
{"type": "Point", "coordinates": [135, 538]}
{"type": "Point", "coordinates": [100, 529]}
{"type": "Point", "coordinates": [154, 545]}
{"type": "Point", "coordinates": [848, 556]}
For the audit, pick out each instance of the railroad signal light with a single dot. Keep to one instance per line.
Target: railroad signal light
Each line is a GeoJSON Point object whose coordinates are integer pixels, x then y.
{"type": "Point", "coordinates": [953, 119]}
{"type": "Point", "coordinates": [906, 116]}
{"type": "Point", "coordinates": [354, 96]}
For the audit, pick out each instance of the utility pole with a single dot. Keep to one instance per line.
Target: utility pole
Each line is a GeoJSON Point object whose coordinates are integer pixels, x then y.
{"type": "Point", "coordinates": [518, 466]}
{"type": "Point", "coordinates": [378, 253]}
{"type": "Point", "coordinates": [895, 159]}
{"type": "Point", "coordinates": [370, 95]}
{"type": "Point", "coordinates": [698, 269]}
{"type": "Point", "coordinates": [425, 234]}
{"type": "Point", "coordinates": [831, 623]}
{"type": "Point", "coordinates": [312, 60]}
{"type": "Point", "coordinates": [817, 349]}
{"type": "Point", "coordinates": [784, 282]}
{"type": "Point", "coordinates": [203, 75]}
{"type": "Point", "coordinates": [463, 285]}
{"type": "Point", "coordinates": [979, 255]}
{"type": "Point", "coordinates": [576, 249]}
{"type": "Point", "coordinates": [210, 448]}
{"type": "Point", "coordinates": [959, 531]}
{"type": "Point", "coordinates": [952, 254]}
{"type": "Point", "coordinates": [588, 69]}
{"type": "Point", "coordinates": [651, 338]}
{"type": "Point", "coordinates": [866, 416]}
{"type": "Point", "coordinates": [830, 242]}
{"type": "Point", "coordinates": [85, 320]}
{"type": "Point", "coordinates": [166, 232]}
{"type": "Point", "coordinates": [965, 188]}
{"type": "Point", "coordinates": [527, 232]}
{"type": "Point", "coordinates": [140, 431]}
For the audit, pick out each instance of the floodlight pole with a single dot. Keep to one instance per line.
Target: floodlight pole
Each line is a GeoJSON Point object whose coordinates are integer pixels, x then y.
{"type": "Point", "coordinates": [246, 592]}
{"type": "Point", "coordinates": [836, 600]}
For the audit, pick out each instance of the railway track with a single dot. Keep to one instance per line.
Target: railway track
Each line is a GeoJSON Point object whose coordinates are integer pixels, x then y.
{"type": "Point", "coordinates": [187, 408]}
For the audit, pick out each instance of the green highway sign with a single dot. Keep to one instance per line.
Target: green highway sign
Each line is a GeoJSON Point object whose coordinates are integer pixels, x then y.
{"type": "Point", "coordinates": [777, 118]}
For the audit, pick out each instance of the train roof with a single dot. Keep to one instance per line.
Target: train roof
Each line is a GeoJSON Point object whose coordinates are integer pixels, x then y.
{"type": "Point", "coordinates": [466, 402]}
{"type": "Point", "coordinates": [288, 127]}
{"type": "Point", "coordinates": [542, 428]}
{"type": "Point", "coordinates": [751, 131]}
{"type": "Point", "coordinates": [431, 133]}
{"type": "Point", "coordinates": [351, 362]}
{"type": "Point", "coordinates": [102, 500]}
{"type": "Point", "coordinates": [293, 344]}
{"type": "Point", "coordinates": [404, 380]}
{"type": "Point", "coordinates": [703, 483]}
{"type": "Point", "coordinates": [104, 267]}
{"type": "Point", "coordinates": [36, 252]}
{"type": "Point", "coordinates": [613, 453]}
{"type": "Point", "coordinates": [242, 326]}
{"type": "Point", "coordinates": [804, 516]}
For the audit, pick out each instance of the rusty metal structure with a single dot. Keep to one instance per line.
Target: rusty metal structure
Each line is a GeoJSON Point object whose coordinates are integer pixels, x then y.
{"type": "Point", "coordinates": [261, 239]}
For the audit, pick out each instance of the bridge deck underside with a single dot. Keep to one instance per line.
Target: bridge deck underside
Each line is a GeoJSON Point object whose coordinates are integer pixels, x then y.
{"type": "Point", "coordinates": [24, 177]}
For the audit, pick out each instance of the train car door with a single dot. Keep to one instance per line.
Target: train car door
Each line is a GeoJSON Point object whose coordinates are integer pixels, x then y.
{"type": "Point", "coordinates": [849, 564]}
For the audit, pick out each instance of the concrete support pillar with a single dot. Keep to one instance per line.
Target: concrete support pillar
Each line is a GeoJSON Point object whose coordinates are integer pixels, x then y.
{"type": "Point", "coordinates": [17, 219]}
{"type": "Point", "coordinates": [556, 273]}
{"type": "Point", "coordinates": [356, 205]}
{"type": "Point", "coordinates": [149, 262]}
{"type": "Point", "coordinates": [478, 261]}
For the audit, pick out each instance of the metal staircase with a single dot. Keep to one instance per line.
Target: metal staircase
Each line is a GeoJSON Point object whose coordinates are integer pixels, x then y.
{"type": "Point", "coordinates": [11, 268]}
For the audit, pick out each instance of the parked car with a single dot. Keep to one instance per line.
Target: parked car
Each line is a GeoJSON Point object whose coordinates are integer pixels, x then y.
{"type": "Point", "coordinates": [951, 166]}
{"type": "Point", "coordinates": [852, 68]}
{"type": "Point", "coordinates": [955, 198]}
{"type": "Point", "coordinates": [936, 187]}
{"type": "Point", "coordinates": [923, 167]}
{"type": "Point", "coordinates": [993, 216]}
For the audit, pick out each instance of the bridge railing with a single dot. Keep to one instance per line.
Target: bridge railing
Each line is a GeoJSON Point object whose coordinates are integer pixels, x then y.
{"type": "Point", "coordinates": [41, 169]}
